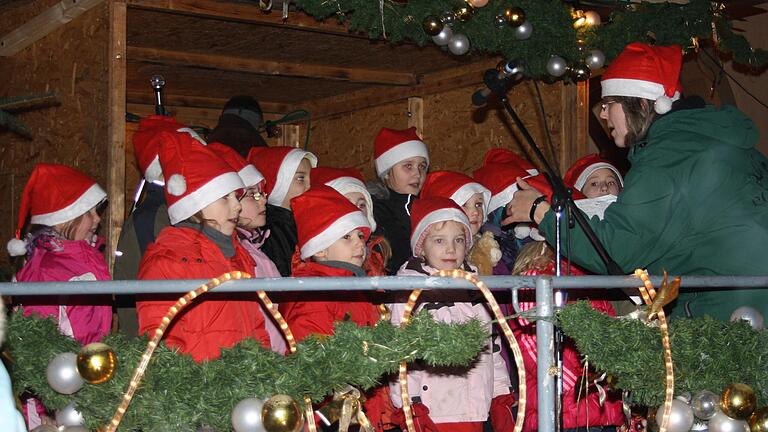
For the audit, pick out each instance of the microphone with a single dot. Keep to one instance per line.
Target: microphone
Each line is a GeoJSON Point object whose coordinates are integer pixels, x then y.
{"type": "Point", "coordinates": [158, 82]}
{"type": "Point", "coordinates": [498, 80]}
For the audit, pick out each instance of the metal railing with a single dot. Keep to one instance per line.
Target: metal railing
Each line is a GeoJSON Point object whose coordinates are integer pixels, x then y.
{"type": "Point", "coordinates": [545, 286]}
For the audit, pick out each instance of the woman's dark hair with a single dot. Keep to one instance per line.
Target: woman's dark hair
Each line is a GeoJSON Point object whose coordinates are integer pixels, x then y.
{"type": "Point", "coordinates": [639, 114]}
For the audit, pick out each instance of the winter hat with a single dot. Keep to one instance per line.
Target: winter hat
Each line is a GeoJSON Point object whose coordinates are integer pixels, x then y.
{"type": "Point", "coordinates": [153, 130]}
{"type": "Point", "coordinates": [247, 172]}
{"type": "Point", "coordinates": [195, 178]}
{"type": "Point", "coordinates": [346, 180]}
{"type": "Point", "coordinates": [644, 71]}
{"type": "Point", "coordinates": [245, 107]}
{"type": "Point", "coordinates": [54, 194]}
{"type": "Point", "coordinates": [392, 146]}
{"type": "Point", "coordinates": [455, 186]}
{"type": "Point", "coordinates": [501, 180]}
{"type": "Point", "coordinates": [504, 156]}
{"type": "Point", "coordinates": [541, 184]}
{"type": "Point", "coordinates": [279, 164]}
{"type": "Point", "coordinates": [580, 171]}
{"type": "Point", "coordinates": [428, 211]}
{"type": "Point", "coordinates": [323, 216]}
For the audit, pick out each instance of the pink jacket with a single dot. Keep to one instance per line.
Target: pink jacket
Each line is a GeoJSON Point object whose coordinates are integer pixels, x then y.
{"type": "Point", "coordinates": [454, 395]}
{"type": "Point", "coordinates": [86, 318]}
{"type": "Point", "coordinates": [264, 268]}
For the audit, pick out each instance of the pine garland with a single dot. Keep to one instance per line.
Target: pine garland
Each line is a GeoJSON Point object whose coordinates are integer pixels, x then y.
{"type": "Point", "coordinates": [553, 31]}
{"type": "Point", "coordinates": [707, 354]}
{"type": "Point", "coordinates": [178, 394]}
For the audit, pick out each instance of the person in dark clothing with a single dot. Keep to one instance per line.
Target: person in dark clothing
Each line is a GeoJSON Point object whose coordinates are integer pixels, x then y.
{"type": "Point", "coordinates": [287, 173]}
{"type": "Point", "coordinates": [401, 160]}
{"type": "Point", "coordinates": [238, 125]}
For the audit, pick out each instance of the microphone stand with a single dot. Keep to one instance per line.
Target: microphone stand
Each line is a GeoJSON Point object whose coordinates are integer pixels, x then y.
{"type": "Point", "coordinates": [157, 82]}
{"type": "Point", "coordinates": [562, 202]}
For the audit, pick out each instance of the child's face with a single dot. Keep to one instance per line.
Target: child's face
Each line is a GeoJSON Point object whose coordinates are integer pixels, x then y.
{"type": "Point", "coordinates": [407, 176]}
{"type": "Point", "coordinates": [349, 249]}
{"type": "Point", "coordinates": [254, 213]}
{"type": "Point", "coordinates": [223, 213]}
{"type": "Point", "coordinates": [358, 199]}
{"type": "Point", "coordinates": [602, 182]}
{"type": "Point", "coordinates": [299, 184]}
{"type": "Point", "coordinates": [445, 246]}
{"type": "Point", "coordinates": [89, 223]}
{"type": "Point", "coordinates": [474, 209]}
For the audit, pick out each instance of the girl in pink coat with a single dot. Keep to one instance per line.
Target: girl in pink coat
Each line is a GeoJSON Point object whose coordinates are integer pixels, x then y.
{"type": "Point", "coordinates": [62, 204]}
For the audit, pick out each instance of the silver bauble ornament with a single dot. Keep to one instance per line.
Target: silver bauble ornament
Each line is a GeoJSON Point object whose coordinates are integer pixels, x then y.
{"type": "Point", "coordinates": [556, 66]}
{"type": "Point", "coordinates": [443, 37]}
{"type": "Point", "coordinates": [523, 31]}
{"type": "Point", "coordinates": [246, 416]}
{"type": "Point", "coordinates": [749, 314]}
{"type": "Point", "coordinates": [722, 423]}
{"type": "Point", "coordinates": [62, 374]}
{"type": "Point", "coordinates": [459, 44]}
{"type": "Point", "coordinates": [699, 425]}
{"type": "Point", "coordinates": [704, 404]}
{"type": "Point", "coordinates": [69, 416]}
{"type": "Point", "coordinates": [448, 18]}
{"type": "Point", "coordinates": [595, 59]}
{"type": "Point", "coordinates": [681, 418]}
{"type": "Point", "coordinates": [500, 21]}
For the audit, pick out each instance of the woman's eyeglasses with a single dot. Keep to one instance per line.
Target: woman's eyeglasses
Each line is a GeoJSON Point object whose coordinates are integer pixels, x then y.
{"type": "Point", "coordinates": [604, 105]}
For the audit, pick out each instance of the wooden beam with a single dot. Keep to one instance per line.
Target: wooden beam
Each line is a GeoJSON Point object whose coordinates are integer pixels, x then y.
{"type": "Point", "coordinates": [43, 25]}
{"type": "Point", "coordinates": [269, 67]}
{"type": "Point", "coordinates": [575, 113]}
{"type": "Point", "coordinates": [416, 114]}
{"type": "Point", "coordinates": [147, 98]}
{"type": "Point", "coordinates": [290, 135]}
{"type": "Point", "coordinates": [244, 12]}
{"type": "Point", "coordinates": [116, 127]}
{"type": "Point", "coordinates": [437, 82]}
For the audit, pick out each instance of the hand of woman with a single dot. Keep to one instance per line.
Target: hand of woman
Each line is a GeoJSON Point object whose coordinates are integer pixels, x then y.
{"type": "Point", "coordinates": [519, 209]}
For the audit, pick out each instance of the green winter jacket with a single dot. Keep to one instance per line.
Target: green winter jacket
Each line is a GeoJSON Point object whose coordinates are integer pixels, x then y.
{"type": "Point", "coordinates": [695, 202]}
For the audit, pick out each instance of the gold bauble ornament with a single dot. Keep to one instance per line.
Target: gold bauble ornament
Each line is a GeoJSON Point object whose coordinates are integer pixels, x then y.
{"type": "Point", "coordinates": [432, 25]}
{"type": "Point", "coordinates": [96, 362]}
{"type": "Point", "coordinates": [281, 414]}
{"type": "Point", "coordinates": [515, 16]}
{"type": "Point", "coordinates": [464, 12]}
{"type": "Point", "coordinates": [758, 421]}
{"type": "Point", "coordinates": [738, 401]}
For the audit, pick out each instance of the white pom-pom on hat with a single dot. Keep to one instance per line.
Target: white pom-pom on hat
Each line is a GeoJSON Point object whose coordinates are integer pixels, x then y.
{"type": "Point", "coordinates": [663, 104]}
{"type": "Point", "coordinates": [17, 247]}
{"type": "Point", "coordinates": [176, 185]}
{"type": "Point", "coordinates": [522, 230]}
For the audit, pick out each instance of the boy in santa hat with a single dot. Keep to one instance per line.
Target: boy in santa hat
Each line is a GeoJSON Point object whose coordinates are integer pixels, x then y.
{"type": "Point", "coordinates": [287, 171]}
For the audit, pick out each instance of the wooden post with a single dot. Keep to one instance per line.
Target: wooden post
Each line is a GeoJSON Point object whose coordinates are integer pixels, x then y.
{"type": "Point", "coordinates": [575, 124]}
{"type": "Point", "coordinates": [290, 135]}
{"type": "Point", "coordinates": [116, 128]}
{"type": "Point", "coordinates": [416, 114]}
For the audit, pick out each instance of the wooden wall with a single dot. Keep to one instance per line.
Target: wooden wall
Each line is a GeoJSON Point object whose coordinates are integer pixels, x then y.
{"type": "Point", "coordinates": [72, 61]}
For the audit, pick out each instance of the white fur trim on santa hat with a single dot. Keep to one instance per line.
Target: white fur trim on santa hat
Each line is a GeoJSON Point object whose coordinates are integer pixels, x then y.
{"type": "Point", "coordinates": [335, 231]}
{"type": "Point", "coordinates": [635, 88]}
{"type": "Point", "coordinates": [286, 172]}
{"type": "Point", "coordinates": [582, 179]}
{"type": "Point", "coordinates": [440, 215]}
{"type": "Point", "coordinates": [17, 247]}
{"type": "Point", "coordinates": [464, 193]}
{"type": "Point", "coordinates": [154, 172]}
{"type": "Point", "coordinates": [177, 185]}
{"type": "Point", "coordinates": [345, 185]}
{"type": "Point", "coordinates": [402, 151]}
{"type": "Point", "coordinates": [205, 195]}
{"type": "Point", "coordinates": [88, 200]}
{"type": "Point", "coordinates": [250, 175]}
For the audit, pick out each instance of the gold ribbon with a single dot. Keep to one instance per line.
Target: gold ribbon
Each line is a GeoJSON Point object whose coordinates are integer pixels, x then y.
{"type": "Point", "coordinates": [352, 406]}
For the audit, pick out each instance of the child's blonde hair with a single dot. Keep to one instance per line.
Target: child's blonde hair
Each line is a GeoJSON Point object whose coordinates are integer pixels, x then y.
{"type": "Point", "coordinates": [534, 256]}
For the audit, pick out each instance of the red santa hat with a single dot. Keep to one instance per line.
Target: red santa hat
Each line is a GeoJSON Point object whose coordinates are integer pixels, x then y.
{"type": "Point", "coordinates": [344, 181]}
{"type": "Point", "coordinates": [195, 178]}
{"type": "Point", "coordinates": [504, 156]}
{"type": "Point", "coordinates": [428, 211]}
{"type": "Point", "coordinates": [323, 216]}
{"type": "Point", "coordinates": [541, 184]}
{"type": "Point", "coordinates": [644, 71]}
{"type": "Point", "coordinates": [501, 180]}
{"type": "Point", "coordinates": [580, 171]}
{"type": "Point", "coordinates": [54, 194]}
{"type": "Point", "coordinates": [455, 186]}
{"type": "Point", "coordinates": [152, 131]}
{"type": "Point", "coordinates": [279, 164]}
{"type": "Point", "coordinates": [247, 172]}
{"type": "Point", "coordinates": [392, 146]}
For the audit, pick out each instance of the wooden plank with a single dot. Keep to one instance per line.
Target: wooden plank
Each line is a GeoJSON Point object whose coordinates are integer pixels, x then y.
{"type": "Point", "coordinates": [449, 79]}
{"type": "Point", "coordinates": [575, 124]}
{"type": "Point", "coordinates": [43, 25]}
{"type": "Point", "coordinates": [192, 116]}
{"type": "Point", "coordinates": [245, 12]}
{"type": "Point", "coordinates": [269, 67]}
{"type": "Point", "coordinates": [116, 127]}
{"type": "Point", "coordinates": [416, 114]}
{"type": "Point", "coordinates": [148, 98]}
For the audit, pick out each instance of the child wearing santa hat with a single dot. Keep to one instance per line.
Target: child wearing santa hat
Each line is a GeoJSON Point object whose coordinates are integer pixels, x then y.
{"type": "Point", "coordinates": [401, 160]}
{"type": "Point", "coordinates": [594, 177]}
{"type": "Point", "coordinates": [287, 172]}
{"type": "Point", "coordinates": [63, 219]}
{"type": "Point", "coordinates": [458, 401]}
{"type": "Point", "coordinates": [332, 236]}
{"type": "Point", "coordinates": [201, 192]}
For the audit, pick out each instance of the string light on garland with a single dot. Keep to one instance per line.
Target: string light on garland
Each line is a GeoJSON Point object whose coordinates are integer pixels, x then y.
{"type": "Point", "coordinates": [464, 12]}
{"type": "Point", "coordinates": [582, 19]}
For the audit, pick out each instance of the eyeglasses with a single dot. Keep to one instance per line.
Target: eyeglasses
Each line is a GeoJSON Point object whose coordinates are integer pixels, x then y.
{"type": "Point", "coordinates": [604, 105]}
{"type": "Point", "coordinates": [250, 193]}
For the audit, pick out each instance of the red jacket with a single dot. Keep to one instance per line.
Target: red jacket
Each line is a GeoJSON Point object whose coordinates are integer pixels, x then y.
{"type": "Point", "coordinates": [212, 322]}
